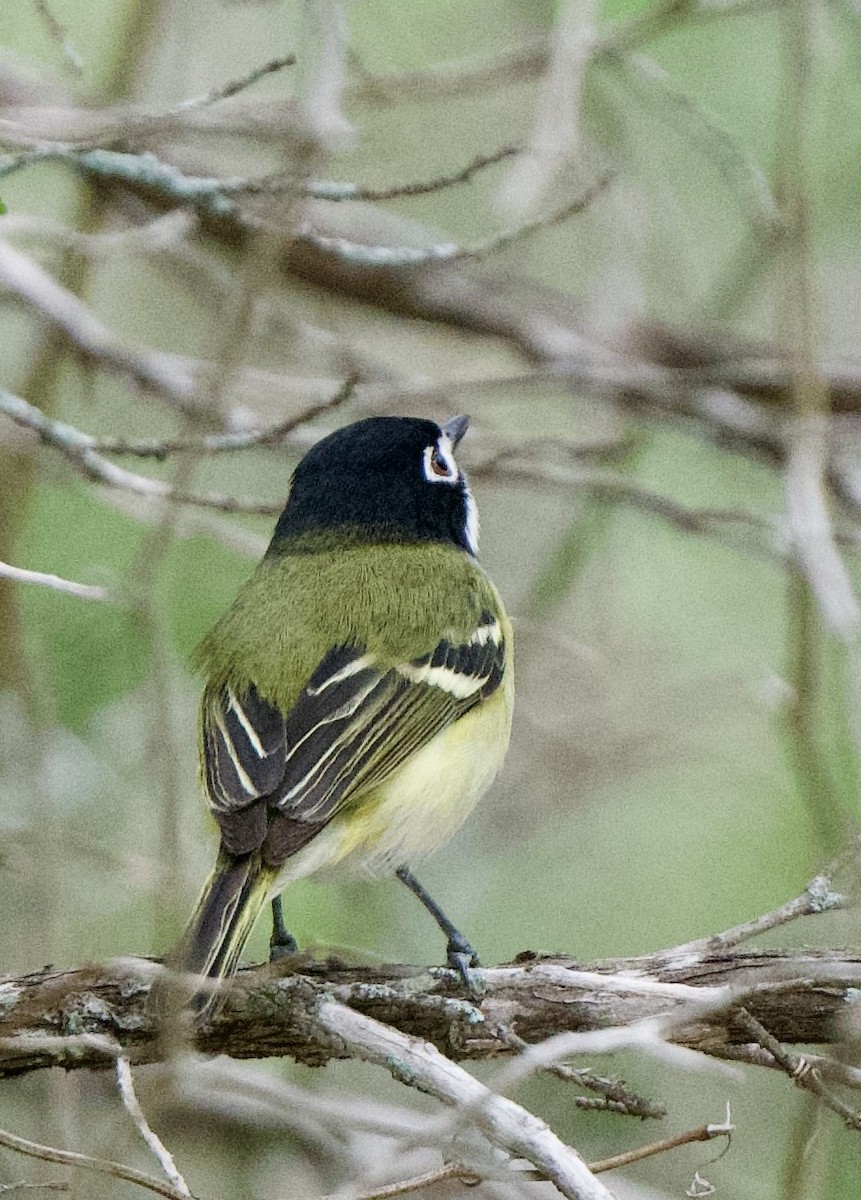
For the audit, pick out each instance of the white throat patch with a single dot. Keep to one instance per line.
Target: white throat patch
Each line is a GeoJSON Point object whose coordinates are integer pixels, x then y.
{"type": "Point", "coordinates": [471, 530]}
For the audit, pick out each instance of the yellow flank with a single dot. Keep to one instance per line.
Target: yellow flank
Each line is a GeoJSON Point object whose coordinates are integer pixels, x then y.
{"type": "Point", "coordinates": [421, 805]}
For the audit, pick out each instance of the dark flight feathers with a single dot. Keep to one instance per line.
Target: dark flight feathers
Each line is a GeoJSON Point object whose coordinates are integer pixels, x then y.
{"type": "Point", "coordinates": [274, 780]}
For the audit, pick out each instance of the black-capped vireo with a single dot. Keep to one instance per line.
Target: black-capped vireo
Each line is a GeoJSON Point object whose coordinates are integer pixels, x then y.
{"type": "Point", "coordinates": [358, 691]}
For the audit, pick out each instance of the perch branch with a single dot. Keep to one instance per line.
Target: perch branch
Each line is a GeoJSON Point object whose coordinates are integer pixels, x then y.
{"type": "Point", "coordinates": [63, 1018]}
{"type": "Point", "coordinates": [705, 997]}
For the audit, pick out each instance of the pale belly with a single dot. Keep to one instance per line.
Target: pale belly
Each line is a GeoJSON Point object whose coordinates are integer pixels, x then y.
{"type": "Point", "coordinates": [419, 808]}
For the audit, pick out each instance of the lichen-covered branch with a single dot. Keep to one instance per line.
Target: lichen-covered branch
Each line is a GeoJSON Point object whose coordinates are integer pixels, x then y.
{"type": "Point", "coordinates": [77, 1018]}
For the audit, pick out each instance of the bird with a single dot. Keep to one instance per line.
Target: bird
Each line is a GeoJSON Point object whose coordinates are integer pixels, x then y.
{"type": "Point", "coordinates": [358, 692]}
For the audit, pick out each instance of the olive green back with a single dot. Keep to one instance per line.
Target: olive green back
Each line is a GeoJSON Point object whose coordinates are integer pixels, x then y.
{"type": "Point", "coordinates": [394, 600]}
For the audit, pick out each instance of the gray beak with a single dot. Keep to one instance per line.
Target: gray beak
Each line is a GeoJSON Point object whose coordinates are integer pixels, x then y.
{"type": "Point", "coordinates": [456, 428]}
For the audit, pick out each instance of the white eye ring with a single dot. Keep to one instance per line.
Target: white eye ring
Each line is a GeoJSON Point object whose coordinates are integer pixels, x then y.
{"type": "Point", "coordinates": [439, 464]}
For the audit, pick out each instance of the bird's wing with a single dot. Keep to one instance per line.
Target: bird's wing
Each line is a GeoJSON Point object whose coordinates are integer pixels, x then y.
{"type": "Point", "coordinates": [353, 724]}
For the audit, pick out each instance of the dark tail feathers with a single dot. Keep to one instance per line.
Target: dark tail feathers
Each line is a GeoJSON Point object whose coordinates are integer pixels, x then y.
{"type": "Point", "coordinates": [229, 905]}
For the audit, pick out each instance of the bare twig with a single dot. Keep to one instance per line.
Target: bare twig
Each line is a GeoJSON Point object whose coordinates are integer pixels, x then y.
{"type": "Point", "coordinates": [58, 34]}
{"type": "Point", "coordinates": [506, 1124]}
{"type": "Point", "coordinates": [703, 1133]}
{"type": "Point", "coordinates": [798, 1068]}
{"type": "Point", "coordinates": [212, 194]}
{"type": "Point", "coordinates": [101, 1166]}
{"type": "Point", "coordinates": [84, 591]}
{"type": "Point", "coordinates": [817, 897]}
{"type": "Point", "coordinates": [755, 1055]}
{"type": "Point", "coordinates": [619, 489]}
{"type": "Point", "coordinates": [614, 1095]}
{"type": "Point", "coordinates": [87, 454]}
{"type": "Point", "coordinates": [78, 448]}
{"type": "Point", "coordinates": [324, 190]}
{"type": "Point", "coordinates": [465, 77]}
{"type": "Point", "coordinates": [367, 255]}
{"type": "Point", "coordinates": [126, 1087]}
{"type": "Point", "coordinates": [225, 90]}
{"type": "Point", "coordinates": [219, 443]}
{"type": "Point", "coordinates": [23, 276]}
{"type": "Point", "coordinates": [414, 1184]}
{"type": "Point", "coordinates": [50, 1185]}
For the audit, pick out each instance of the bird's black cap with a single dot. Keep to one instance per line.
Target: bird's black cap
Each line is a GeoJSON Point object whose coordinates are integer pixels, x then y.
{"type": "Point", "coordinates": [384, 479]}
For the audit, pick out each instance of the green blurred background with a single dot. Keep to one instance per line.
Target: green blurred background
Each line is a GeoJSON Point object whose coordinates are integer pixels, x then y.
{"type": "Point", "coordinates": [650, 795]}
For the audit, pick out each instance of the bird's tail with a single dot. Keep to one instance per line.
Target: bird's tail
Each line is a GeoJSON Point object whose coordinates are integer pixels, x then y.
{"type": "Point", "coordinates": [223, 918]}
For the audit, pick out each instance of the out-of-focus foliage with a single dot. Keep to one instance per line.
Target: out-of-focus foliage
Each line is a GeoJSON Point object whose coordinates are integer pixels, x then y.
{"type": "Point", "coordinates": [650, 794]}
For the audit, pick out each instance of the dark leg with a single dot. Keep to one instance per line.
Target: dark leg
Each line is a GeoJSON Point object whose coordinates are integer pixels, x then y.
{"type": "Point", "coordinates": [459, 953]}
{"type": "Point", "coordinates": [282, 943]}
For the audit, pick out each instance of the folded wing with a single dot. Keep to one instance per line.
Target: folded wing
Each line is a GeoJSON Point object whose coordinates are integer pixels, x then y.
{"type": "Point", "coordinates": [274, 780]}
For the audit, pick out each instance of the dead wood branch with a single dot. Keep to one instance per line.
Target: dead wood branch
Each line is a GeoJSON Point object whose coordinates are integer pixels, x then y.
{"type": "Point", "coordinates": [78, 1018]}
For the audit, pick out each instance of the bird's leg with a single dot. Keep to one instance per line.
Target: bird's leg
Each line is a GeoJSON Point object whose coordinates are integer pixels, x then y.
{"type": "Point", "coordinates": [282, 943]}
{"type": "Point", "coordinates": [459, 952]}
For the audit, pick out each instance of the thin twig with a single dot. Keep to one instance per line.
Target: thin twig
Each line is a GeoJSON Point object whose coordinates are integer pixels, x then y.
{"type": "Point", "coordinates": [798, 1068]}
{"type": "Point", "coordinates": [220, 443]}
{"type": "Point", "coordinates": [84, 591]}
{"type": "Point", "coordinates": [78, 448]}
{"type": "Point", "coordinates": [126, 1087]}
{"type": "Point", "coordinates": [465, 77]}
{"type": "Point", "coordinates": [225, 90]}
{"type": "Point", "coordinates": [86, 453]}
{"type": "Point", "coordinates": [50, 1185]}
{"type": "Point", "coordinates": [325, 190]}
{"type": "Point", "coordinates": [213, 195]}
{"type": "Point", "coordinates": [414, 1184]}
{"type": "Point", "coordinates": [754, 1055]}
{"type": "Point", "coordinates": [817, 897]}
{"type": "Point", "coordinates": [620, 489]}
{"type": "Point", "coordinates": [614, 1095]}
{"type": "Point", "coordinates": [369, 255]}
{"type": "Point", "coordinates": [703, 1133]}
{"type": "Point", "coordinates": [102, 1166]}
{"type": "Point", "coordinates": [58, 33]}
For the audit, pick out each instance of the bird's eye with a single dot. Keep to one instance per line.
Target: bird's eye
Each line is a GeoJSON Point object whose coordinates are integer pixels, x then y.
{"type": "Point", "coordinates": [439, 464]}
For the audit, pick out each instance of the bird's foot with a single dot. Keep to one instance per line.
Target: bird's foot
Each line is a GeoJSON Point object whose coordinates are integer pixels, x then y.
{"type": "Point", "coordinates": [282, 947]}
{"type": "Point", "coordinates": [460, 956]}
{"type": "Point", "coordinates": [282, 942]}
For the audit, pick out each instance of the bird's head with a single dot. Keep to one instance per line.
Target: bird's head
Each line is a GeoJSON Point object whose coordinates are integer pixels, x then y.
{"type": "Point", "coordinates": [384, 479]}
